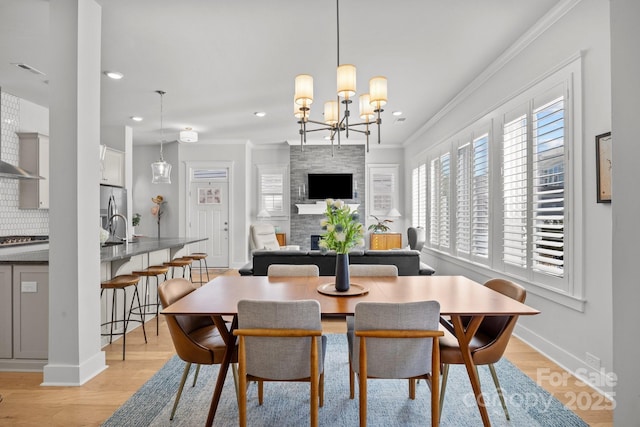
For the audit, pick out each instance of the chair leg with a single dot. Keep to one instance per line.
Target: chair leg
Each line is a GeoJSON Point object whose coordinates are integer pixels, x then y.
{"type": "Point", "coordinates": [185, 373]}
{"type": "Point", "coordinates": [234, 371]}
{"type": "Point", "coordinates": [443, 388]}
{"type": "Point", "coordinates": [195, 377]}
{"type": "Point", "coordinates": [206, 267]}
{"type": "Point", "coordinates": [412, 389]}
{"type": "Point", "coordinates": [499, 390]}
{"type": "Point", "coordinates": [260, 391]}
{"type": "Point", "coordinates": [136, 295]}
{"type": "Point", "coordinates": [321, 390]}
{"type": "Point", "coordinates": [352, 380]}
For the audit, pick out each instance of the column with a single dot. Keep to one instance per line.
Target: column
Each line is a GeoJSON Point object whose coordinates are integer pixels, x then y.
{"type": "Point", "coordinates": [74, 253]}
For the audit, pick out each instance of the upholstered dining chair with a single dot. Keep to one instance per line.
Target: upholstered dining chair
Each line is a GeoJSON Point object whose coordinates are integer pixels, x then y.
{"type": "Point", "coordinates": [290, 270]}
{"type": "Point", "coordinates": [195, 338]}
{"type": "Point", "coordinates": [416, 237]}
{"type": "Point", "coordinates": [271, 350]}
{"type": "Point", "coordinates": [489, 342]}
{"type": "Point", "coordinates": [397, 340]}
{"type": "Point", "coordinates": [371, 270]}
{"type": "Point", "coordinates": [377, 270]}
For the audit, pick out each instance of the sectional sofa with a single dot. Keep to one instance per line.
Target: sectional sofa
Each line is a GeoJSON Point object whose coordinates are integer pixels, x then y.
{"type": "Point", "coordinates": [407, 261]}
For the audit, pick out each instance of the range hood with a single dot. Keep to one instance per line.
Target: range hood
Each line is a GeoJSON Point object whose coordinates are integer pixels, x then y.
{"type": "Point", "coordinates": [7, 170]}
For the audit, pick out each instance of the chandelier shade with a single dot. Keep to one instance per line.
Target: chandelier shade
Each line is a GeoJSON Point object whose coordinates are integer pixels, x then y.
{"type": "Point", "coordinates": [370, 104]}
{"type": "Point", "coordinates": [304, 90]}
{"type": "Point", "coordinates": [188, 135]}
{"type": "Point", "coordinates": [346, 81]}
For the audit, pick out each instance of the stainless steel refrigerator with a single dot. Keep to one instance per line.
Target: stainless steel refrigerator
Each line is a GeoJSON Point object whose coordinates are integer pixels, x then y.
{"type": "Point", "coordinates": [113, 200]}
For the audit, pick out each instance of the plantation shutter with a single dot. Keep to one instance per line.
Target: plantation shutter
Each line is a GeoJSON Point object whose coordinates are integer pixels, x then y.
{"type": "Point", "coordinates": [514, 188]}
{"type": "Point", "coordinates": [434, 218]}
{"type": "Point", "coordinates": [419, 196]}
{"type": "Point", "coordinates": [480, 198]}
{"type": "Point", "coordinates": [549, 187]}
{"type": "Point", "coordinates": [440, 184]}
{"type": "Point", "coordinates": [463, 199]}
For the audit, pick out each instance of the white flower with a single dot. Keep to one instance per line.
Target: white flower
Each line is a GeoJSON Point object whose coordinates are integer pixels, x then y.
{"type": "Point", "coordinates": [340, 237]}
{"type": "Point", "coordinates": [361, 242]}
{"type": "Point", "coordinates": [323, 244]}
{"type": "Point", "coordinates": [329, 202]}
{"type": "Point", "coordinates": [338, 204]}
{"type": "Point", "coordinates": [330, 228]}
{"type": "Point", "coordinates": [324, 222]}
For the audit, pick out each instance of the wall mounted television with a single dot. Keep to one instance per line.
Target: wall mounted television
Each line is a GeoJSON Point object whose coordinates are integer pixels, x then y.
{"type": "Point", "coordinates": [330, 186]}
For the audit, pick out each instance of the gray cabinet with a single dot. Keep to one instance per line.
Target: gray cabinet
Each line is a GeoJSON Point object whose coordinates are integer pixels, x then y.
{"type": "Point", "coordinates": [6, 317]}
{"type": "Point", "coordinates": [113, 167]}
{"type": "Point", "coordinates": [34, 157]}
{"type": "Point", "coordinates": [30, 311]}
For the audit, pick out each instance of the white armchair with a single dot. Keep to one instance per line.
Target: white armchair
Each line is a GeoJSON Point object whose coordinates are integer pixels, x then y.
{"type": "Point", "coordinates": [263, 236]}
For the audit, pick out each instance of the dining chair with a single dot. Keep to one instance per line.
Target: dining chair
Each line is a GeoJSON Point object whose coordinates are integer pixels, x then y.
{"type": "Point", "coordinates": [489, 342]}
{"type": "Point", "coordinates": [370, 270]}
{"type": "Point", "coordinates": [397, 340]}
{"type": "Point", "coordinates": [195, 338]}
{"type": "Point", "coordinates": [271, 350]}
{"type": "Point", "coordinates": [290, 270]}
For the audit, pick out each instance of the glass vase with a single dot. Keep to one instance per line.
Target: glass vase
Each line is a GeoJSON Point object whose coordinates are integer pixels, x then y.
{"type": "Point", "coordinates": [342, 272]}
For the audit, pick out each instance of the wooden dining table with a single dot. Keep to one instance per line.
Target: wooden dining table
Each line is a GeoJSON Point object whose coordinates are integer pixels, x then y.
{"type": "Point", "coordinates": [458, 297]}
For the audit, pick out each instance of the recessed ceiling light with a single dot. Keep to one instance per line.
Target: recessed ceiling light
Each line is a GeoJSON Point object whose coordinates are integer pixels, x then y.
{"type": "Point", "coordinates": [259, 114]}
{"type": "Point", "coordinates": [136, 118]}
{"type": "Point", "coordinates": [114, 75]}
{"type": "Point", "coordinates": [397, 113]}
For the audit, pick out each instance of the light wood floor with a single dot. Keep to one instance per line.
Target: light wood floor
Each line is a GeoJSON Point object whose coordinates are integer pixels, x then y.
{"type": "Point", "coordinates": [26, 403]}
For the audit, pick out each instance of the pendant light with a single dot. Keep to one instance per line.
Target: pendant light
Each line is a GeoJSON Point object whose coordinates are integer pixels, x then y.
{"type": "Point", "coordinates": [161, 170]}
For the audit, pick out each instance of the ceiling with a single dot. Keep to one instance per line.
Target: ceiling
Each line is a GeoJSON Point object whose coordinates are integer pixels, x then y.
{"type": "Point", "coordinates": [220, 61]}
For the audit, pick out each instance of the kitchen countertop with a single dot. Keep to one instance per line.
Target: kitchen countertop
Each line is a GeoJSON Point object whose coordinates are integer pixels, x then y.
{"type": "Point", "coordinates": [141, 245]}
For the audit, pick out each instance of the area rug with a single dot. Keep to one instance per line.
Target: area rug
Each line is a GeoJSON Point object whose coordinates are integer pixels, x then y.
{"type": "Point", "coordinates": [287, 404]}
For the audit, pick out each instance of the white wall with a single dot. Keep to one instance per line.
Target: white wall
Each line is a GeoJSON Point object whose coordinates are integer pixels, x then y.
{"type": "Point", "coordinates": [625, 69]}
{"type": "Point", "coordinates": [562, 333]}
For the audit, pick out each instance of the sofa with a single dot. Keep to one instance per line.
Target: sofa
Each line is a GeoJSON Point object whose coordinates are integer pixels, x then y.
{"type": "Point", "coordinates": [407, 261]}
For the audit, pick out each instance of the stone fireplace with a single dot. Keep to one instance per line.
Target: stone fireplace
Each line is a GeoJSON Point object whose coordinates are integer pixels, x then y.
{"type": "Point", "coordinates": [317, 159]}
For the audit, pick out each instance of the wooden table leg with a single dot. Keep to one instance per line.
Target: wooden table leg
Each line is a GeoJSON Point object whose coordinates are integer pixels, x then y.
{"type": "Point", "coordinates": [230, 341]}
{"type": "Point", "coordinates": [464, 339]}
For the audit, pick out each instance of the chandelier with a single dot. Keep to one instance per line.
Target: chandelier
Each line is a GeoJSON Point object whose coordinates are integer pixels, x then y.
{"type": "Point", "coordinates": [370, 104]}
{"type": "Point", "coordinates": [161, 170]}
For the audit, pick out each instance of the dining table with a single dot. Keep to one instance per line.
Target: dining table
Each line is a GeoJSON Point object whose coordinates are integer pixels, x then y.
{"type": "Point", "coordinates": [464, 301]}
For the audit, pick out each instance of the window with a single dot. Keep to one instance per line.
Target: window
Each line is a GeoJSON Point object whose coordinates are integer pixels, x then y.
{"type": "Point", "coordinates": [534, 187]}
{"type": "Point", "coordinates": [510, 173]}
{"type": "Point", "coordinates": [271, 187]}
{"type": "Point", "coordinates": [440, 185]}
{"type": "Point", "coordinates": [419, 196]}
{"type": "Point", "coordinates": [472, 199]}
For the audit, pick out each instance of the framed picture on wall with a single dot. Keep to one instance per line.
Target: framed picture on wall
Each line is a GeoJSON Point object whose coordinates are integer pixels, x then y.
{"type": "Point", "coordinates": [603, 167]}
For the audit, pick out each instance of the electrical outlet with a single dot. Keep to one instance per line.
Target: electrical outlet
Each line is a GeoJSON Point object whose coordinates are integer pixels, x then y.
{"type": "Point", "coordinates": [29, 287]}
{"type": "Point", "coordinates": [592, 360]}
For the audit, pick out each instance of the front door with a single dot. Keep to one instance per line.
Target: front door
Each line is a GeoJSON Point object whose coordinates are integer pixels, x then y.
{"type": "Point", "coordinates": [209, 214]}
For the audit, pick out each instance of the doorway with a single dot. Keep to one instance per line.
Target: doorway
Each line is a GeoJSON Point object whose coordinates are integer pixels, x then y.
{"type": "Point", "coordinates": [209, 212]}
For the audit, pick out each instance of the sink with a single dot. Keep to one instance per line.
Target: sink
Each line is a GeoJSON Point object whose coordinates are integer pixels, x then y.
{"type": "Point", "coordinates": [105, 244]}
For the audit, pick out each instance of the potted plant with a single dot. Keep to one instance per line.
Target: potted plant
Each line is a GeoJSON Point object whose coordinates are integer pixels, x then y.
{"type": "Point", "coordinates": [381, 225]}
{"type": "Point", "coordinates": [343, 231]}
{"type": "Point", "coordinates": [135, 221]}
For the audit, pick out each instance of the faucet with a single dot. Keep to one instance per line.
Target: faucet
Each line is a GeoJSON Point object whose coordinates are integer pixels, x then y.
{"type": "Point", "coordinates": [126, 226]}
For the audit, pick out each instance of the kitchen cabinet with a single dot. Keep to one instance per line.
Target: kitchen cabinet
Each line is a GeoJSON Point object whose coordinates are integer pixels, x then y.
{"type": "Point", "coordinates": [113, 168]}
{"type": "Point", "coordinates": [385, 241]}
{"type": "Point", "coordinates": [30, 311]}
{"type": "Point", "coordinates": [34, 157]}
{"type": "Point", "coordinates": [6, 319]}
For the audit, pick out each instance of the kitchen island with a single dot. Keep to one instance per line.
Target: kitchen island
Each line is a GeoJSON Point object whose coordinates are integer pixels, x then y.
{"type": "Point", "coordinates": [24, 293]}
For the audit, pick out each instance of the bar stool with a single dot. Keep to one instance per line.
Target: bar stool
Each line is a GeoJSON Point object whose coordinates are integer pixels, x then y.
{"type": "Point", "coordinates": [200, 257]}
{"type": "Point", "coordinates": [122, 282]}
{"type": "Point", "coordinates": [152, 271]}
{"type": "Point", "coordinates": [179, 262]}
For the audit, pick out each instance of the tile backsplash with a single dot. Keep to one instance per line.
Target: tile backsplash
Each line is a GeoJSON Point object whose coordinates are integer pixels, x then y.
{"type": "Point", "coordinates": [15, 221]}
